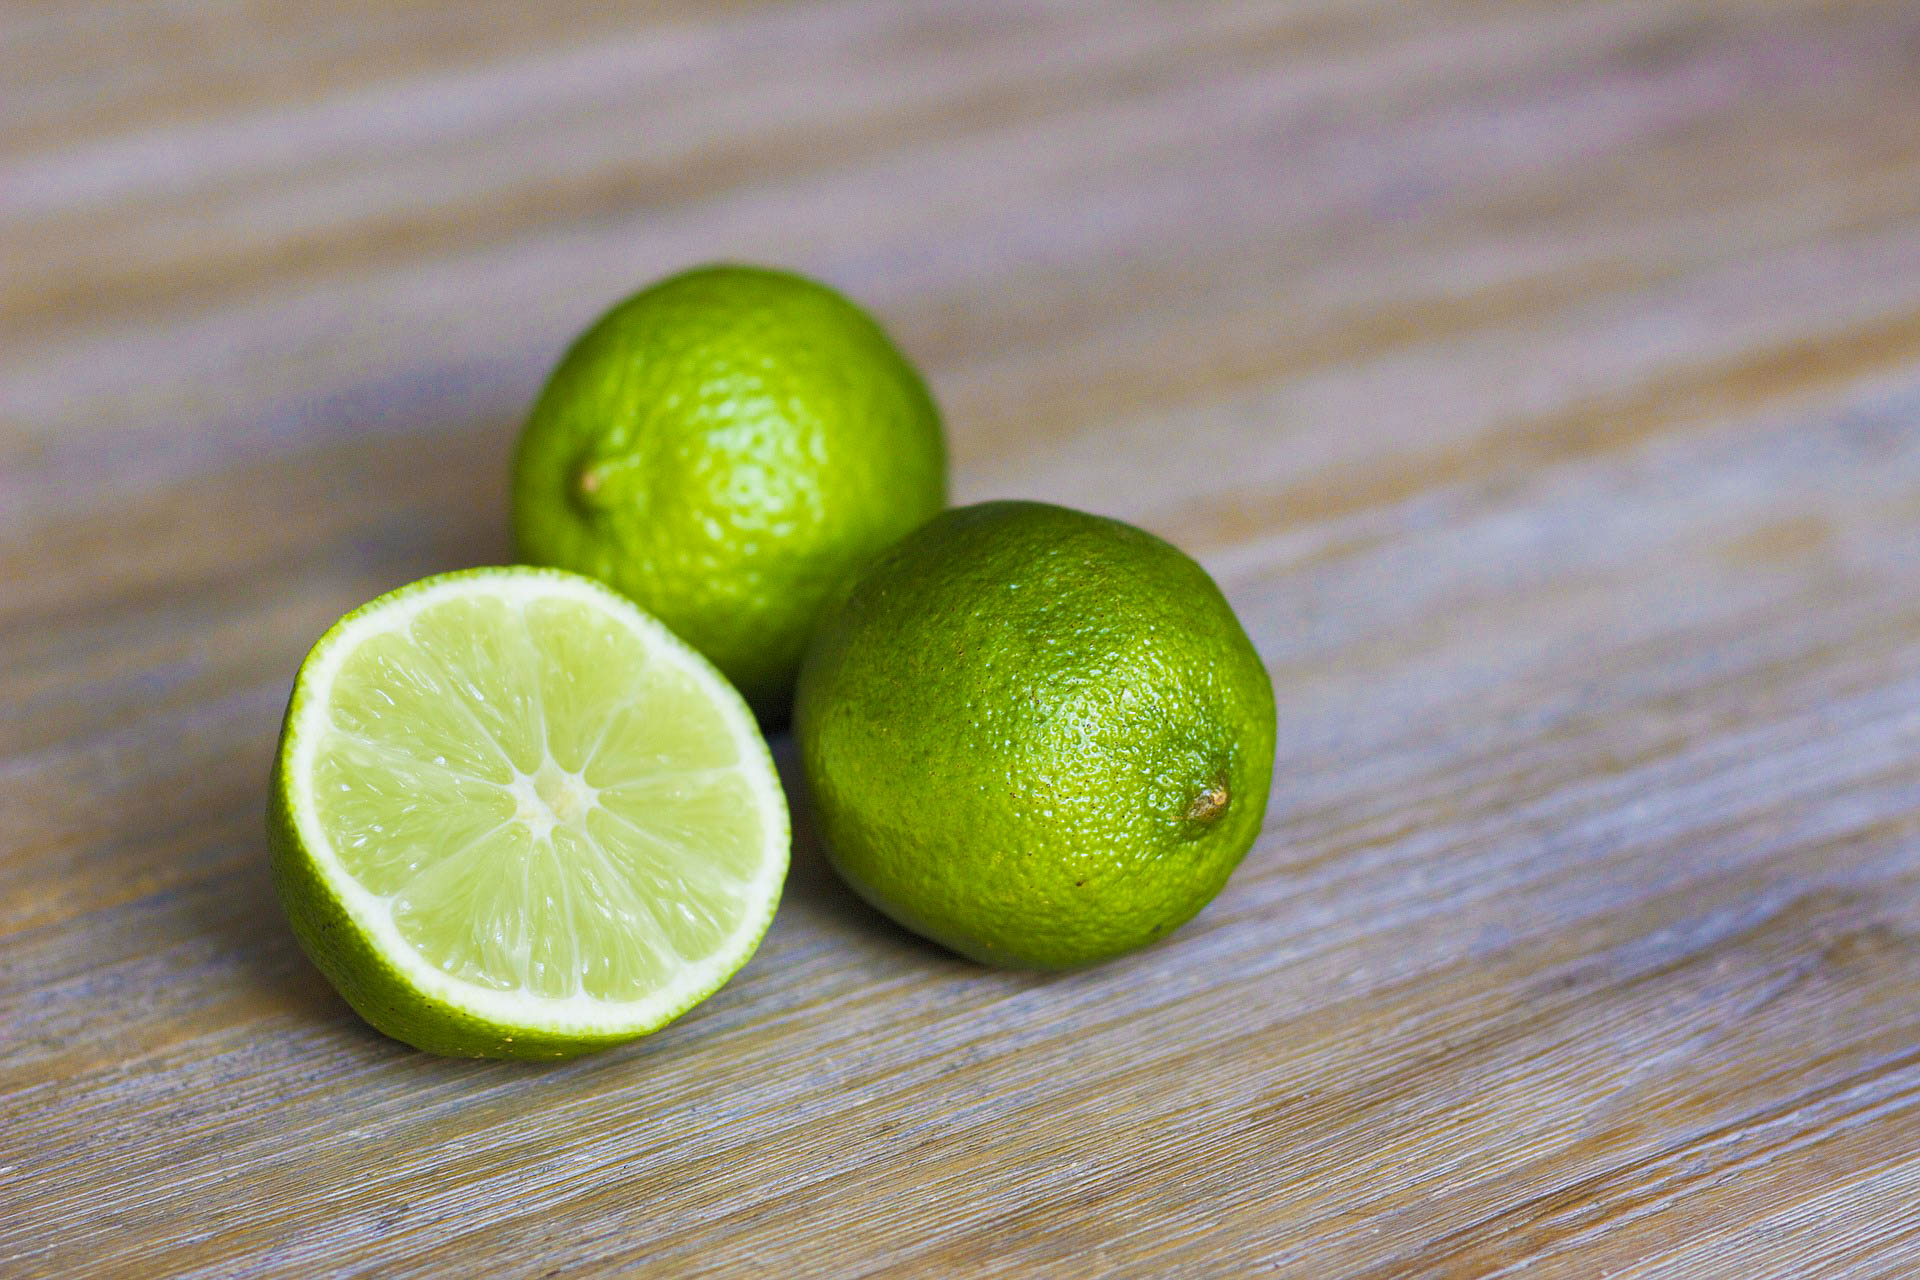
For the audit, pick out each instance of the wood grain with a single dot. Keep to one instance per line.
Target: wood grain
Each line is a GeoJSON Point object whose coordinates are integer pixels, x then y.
{"type": "Point", "coordinates": [1542, 382]}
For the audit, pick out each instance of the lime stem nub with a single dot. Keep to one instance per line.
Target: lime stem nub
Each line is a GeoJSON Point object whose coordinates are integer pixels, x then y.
{"type": "Point", "coordinates": [590, 483]}
{"type": "Point", "coordinates": [1209, 804]}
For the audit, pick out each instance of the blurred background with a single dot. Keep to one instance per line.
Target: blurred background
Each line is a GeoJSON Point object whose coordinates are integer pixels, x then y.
{"type": "Point", "coordinates": [239, 234]}
{"type": "Point", "coordinates": [1540, 380]}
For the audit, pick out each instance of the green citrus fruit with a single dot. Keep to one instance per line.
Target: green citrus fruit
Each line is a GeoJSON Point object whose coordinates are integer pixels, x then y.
{"type": "Point", "coordinates": [727, 447]}
{"type": "Point", "coordinates": [1037, 736]}
{"type": "Point", "coordinates": [514, 816]}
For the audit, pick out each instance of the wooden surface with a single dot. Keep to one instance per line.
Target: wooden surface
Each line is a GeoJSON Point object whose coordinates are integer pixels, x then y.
{"type": "Point", "coordinates": [1541, 381]}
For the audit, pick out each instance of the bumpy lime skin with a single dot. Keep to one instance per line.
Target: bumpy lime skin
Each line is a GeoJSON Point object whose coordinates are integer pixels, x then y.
{"type": "Point", "coordinates": [1036, 736]}
{"type": "Point", "coordinates": [728, 447]}
{"type": "Point", "coordinates": [345, 953]}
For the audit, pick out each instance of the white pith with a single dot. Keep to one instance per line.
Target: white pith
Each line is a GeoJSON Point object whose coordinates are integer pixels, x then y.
{"type": "Point", "coordinates": [535, 796]}
{"type": "Point", "coordinates": [548, 797]}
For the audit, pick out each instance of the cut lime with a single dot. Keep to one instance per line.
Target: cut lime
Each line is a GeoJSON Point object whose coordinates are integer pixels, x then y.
{"type": "Point", "coordinates": [514, 816]}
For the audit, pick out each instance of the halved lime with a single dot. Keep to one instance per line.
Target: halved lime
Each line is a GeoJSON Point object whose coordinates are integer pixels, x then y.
{"type": "Point", "coordinates": [514, 816]}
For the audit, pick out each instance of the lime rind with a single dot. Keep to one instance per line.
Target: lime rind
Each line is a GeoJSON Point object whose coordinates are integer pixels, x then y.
{"type": "Point", "coordinates": [346, 915]}
{"type": "Point", "coordinates": [727, 447]}
{"type": "Point", "coordinates": [1076, 702]}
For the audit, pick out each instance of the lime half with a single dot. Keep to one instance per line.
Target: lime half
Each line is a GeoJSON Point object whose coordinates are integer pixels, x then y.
{"type": "Point", "coordinates": [514, 816]}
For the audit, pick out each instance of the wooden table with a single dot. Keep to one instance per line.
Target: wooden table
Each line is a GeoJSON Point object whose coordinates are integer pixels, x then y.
{"type": "Point", "coordinates": [1540, 380]}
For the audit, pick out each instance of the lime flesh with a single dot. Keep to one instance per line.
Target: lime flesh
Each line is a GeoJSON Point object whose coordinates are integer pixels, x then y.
{"type": "Point", "coordinates": [514, 816]}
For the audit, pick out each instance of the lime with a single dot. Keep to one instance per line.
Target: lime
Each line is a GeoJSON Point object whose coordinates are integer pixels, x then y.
{"type": "Point", "coordinates": [727, 447]}
{"type": "Point", "coordinates": [1037, 736]}
{"type": "Point", "coordinates": [513, 816]}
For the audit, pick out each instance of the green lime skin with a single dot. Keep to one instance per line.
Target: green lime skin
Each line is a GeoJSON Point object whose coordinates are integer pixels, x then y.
{"type": "Point", "coordinates": [727, 448]}
{"type": "Point", "coordinates": [1036, 736]}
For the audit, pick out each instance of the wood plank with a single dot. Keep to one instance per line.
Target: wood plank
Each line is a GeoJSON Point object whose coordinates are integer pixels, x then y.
{"type": "Point", "coordinates": [1542, 383]}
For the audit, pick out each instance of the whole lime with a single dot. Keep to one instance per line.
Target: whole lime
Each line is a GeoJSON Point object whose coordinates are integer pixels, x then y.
{"type": "Point", "coordinates": [1037, 736]}
{"type": "Point", "coordinates": [727, 447]}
